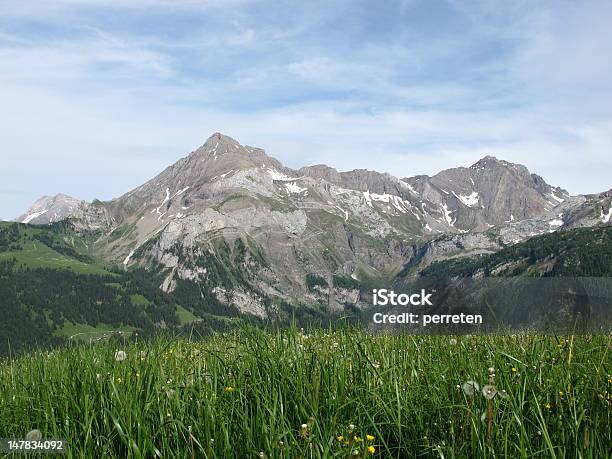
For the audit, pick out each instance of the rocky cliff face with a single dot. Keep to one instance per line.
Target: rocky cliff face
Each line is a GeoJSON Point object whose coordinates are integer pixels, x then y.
{"type": "Point", "coordinates": [235, 223]}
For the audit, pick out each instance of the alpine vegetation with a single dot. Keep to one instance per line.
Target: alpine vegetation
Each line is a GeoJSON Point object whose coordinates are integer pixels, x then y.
{"type": "Point", "coordinates": [316, 394]}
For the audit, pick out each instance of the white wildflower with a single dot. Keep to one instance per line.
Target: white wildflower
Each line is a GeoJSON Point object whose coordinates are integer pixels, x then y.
{"type": "Point", "coordinates": [489, 391]}
{"type": "Point", "coordinates": [470, 388]}
{"type": "Point", "coordinates": [34, 435]}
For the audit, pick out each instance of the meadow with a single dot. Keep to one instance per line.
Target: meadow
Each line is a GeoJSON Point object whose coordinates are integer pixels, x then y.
{"type": "Point", "coordinates": [317, 394]}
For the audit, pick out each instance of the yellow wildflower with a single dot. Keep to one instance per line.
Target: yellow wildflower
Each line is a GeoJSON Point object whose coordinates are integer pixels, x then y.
{"type": "Point", "coordinates": [339, 438]}
{"type": "Point", "coordinates": [369, 437]}
{"type": "Point", "coordinates": [514, 369]}
{"type": "Point", "coordinates": [229, 389]}
{"type": "Point", "coordinates": [371, 449]}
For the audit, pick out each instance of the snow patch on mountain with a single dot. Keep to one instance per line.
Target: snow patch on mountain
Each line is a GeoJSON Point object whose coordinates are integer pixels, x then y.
{"type": "Point", "coordinates": [294, 188]}
{"type": "Point", "coordinates": [180, 192]}
{"type": "Point", "coordinates": [213, 152]}
{"type": "Point", "coordinates": [556, 222]}
{"type": "Point", "coordinates": [166, 199]}
{"type": "Point", "coordinates": [470, 200]}
{"type": "Point", "coordinates": [556, 198]}
{"type": "Point", "coordinates": [34, 215]}
{"type": "Point", "coordinates": [397, 202]}
{"type": "Point", "coordinates": [346, 214]}
{"type": "Point", "coordinates": [127, 259]}
{"type": "Point", "coordinates": [447, 215]}
{"type": "Point", "coordinates": [276, 175]}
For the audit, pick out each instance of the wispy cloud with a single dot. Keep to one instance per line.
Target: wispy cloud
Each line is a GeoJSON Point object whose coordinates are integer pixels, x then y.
{"type": "Point", "coordinates": [98, 96]}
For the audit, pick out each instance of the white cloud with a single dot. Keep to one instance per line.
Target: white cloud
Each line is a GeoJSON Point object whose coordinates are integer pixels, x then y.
{"type": "Point", "coordinates": [96, 111]}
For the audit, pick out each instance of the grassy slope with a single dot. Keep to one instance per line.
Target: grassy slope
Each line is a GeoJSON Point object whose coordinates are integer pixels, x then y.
{"type": "Point", "coordinates": [185, 316]}
{"type": "Point", "coordinates": [175, 396]}
{"type": "Point", "coordinates": [33, 253]}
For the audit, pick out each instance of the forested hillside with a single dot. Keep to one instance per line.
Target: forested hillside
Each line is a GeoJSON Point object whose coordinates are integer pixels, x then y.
{"type": "Point", "coordinates": [584, 252]}
{"type": "Point", "coordinates": [52, 290]}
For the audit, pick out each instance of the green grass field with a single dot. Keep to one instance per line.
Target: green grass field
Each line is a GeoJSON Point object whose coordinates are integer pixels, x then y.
{"type": "Point", "coordinates": [35, 254]}
{"type": "Point", "coordinates": [288, 394]}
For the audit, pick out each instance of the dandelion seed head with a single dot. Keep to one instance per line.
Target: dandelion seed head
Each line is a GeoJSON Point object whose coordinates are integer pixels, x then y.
{"type": "Point", "coordinates": [120, 356]}
{"type": "Point", "coordinates": [34, 435]}
{"type": "Point", "coordinates": [489, 391]}
{"type": "Point", "coordinates": [470, 387]}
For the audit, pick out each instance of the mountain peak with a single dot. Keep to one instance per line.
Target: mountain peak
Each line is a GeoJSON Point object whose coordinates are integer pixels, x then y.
{"type": "Point", "coordinates": [218, 145]}
{"type": "Point", "coordinates": [49, 209]}
{"type": "Point", "coordinates": [491, 162]}
{"type": "Point", "coordinates": [221, 138]}
{"type": "Point", "coordinates": [488, 160]}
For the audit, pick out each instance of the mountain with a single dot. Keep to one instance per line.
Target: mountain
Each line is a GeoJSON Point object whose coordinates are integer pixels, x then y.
{"type": "Point", "coordinates": [230, 224]}
{"type": "Point", "coordinates": [49, 209]}
{"type": "Point", "coordinates": [54, 291]}
{"type": "Point", "coordinates": [575, 253]}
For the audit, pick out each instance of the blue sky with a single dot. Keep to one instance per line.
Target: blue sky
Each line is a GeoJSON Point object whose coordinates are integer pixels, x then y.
{"type": "Point", "coordinates": [99, 96]}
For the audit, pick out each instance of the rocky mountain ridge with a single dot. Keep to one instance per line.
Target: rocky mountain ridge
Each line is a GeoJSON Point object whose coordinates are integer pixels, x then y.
{"type": "Point", "coordinates": [233, 219]}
